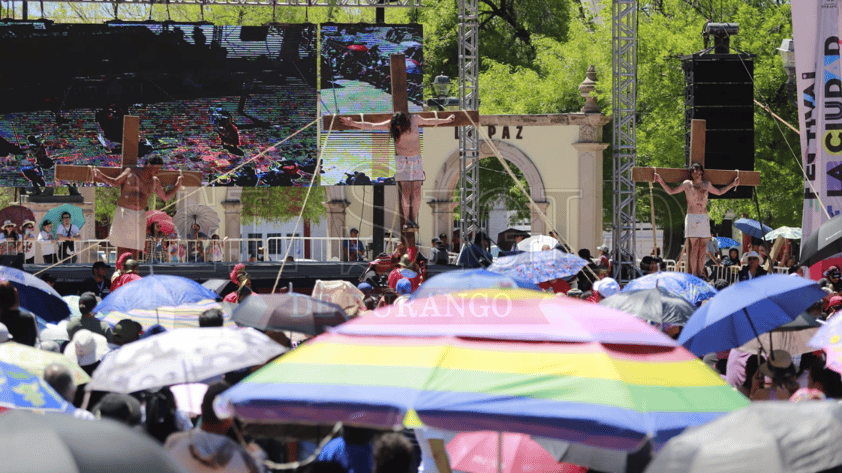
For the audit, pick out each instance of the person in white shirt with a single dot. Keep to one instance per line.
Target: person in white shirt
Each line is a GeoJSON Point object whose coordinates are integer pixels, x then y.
{"type": "Point", "coordinates": [48, 242]}
{"type": "Point", "coordinates": [28, 241]}
{"type": "Point", "coordinates": [67, 234]}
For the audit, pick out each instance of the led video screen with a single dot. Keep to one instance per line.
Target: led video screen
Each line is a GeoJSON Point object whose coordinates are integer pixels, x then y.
{"type": "Point", "coordinates": [210, 99]}
{"type": "Point", "coordinates": [355, 78]}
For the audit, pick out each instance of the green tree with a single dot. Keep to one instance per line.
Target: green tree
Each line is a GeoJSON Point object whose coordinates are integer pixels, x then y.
{"type": "Point", "coordinates": [281, 203]}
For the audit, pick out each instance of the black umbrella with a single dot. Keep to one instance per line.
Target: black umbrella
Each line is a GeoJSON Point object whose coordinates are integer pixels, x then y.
{"type": "Point", "coordinates": [655, 305]}
{"type": "Point", "coordinates": [765, 437]}
{"type": "Point", "coordinates": [220, 286]}
{"type": "Point", "coordinates": [288, 312]}
{"type": "Point", "coordinates": [33, 443]}
{"type": "Point", "coordinates": [822, 243]}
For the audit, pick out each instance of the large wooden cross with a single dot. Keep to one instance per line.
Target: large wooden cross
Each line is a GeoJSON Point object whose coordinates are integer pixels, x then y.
{"type": "Point", "coordinates": [131, 135]}
{"type": "Point", "coordinates": [400, 103]}
{"type": "Point", "coordinates": [717, 177]}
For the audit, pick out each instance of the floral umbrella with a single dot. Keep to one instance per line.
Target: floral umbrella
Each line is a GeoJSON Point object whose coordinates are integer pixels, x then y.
{"type": "Point", "coordinates": [539, 266]}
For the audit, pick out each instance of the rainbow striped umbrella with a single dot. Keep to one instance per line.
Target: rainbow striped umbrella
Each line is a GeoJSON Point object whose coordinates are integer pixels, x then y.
{"type": "Point", "coordinates": [598, 376]}
{"type": "Point", "coordinates": [170, 317]}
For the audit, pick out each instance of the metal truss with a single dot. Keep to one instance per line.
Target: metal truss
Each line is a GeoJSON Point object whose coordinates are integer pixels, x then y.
{"type": "Point", "coordinates": [624, 93]}
{"type": "Point", "coordinates": [265, 3]}
{"type": "Point", "coordinates": [469, 191]}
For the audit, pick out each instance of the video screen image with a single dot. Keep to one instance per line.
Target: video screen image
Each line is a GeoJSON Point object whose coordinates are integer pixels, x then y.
{"type": "Point", "coordinates": [210, 99]}
{"type": "Point", "coordinates": [355, 78]}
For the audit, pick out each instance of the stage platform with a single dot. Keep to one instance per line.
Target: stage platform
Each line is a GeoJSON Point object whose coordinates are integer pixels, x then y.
{"type": "Point", "coordinates": [302, 275]}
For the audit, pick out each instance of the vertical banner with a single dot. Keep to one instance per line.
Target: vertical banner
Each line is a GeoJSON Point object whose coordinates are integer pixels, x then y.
{"type": "Point", "coordinates": [816, 31]}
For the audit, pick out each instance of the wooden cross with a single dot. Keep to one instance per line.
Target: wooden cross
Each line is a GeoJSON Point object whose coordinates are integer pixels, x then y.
{"type": "Point", "coordinates": [131, 134]}
{"type": "Point", "coordinates": [718, 177]}
{"type": "Point", "coordinates": [400, 103]}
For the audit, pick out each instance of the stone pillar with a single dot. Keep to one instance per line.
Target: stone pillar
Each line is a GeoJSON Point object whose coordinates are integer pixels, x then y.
{"type": "Point", "coordinates": [589, 205]}
{"type": "Point", "coordinates": [335, 220]}
{"type": "Point", "coordinates": [233, 208]}
{"type": "Point", "coordinates": [538, 226]}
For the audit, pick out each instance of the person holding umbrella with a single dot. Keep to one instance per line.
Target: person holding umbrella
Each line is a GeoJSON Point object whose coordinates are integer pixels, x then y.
{"type": "Point", "coordinates": [67, 234]}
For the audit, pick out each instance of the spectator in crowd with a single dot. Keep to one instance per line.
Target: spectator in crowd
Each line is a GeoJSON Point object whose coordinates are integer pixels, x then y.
{"type": "Point", "coordinates": [585, 277]}
{"type": "Point", "coordinates": [20, 322]}
{"type": "Point", "coordinates": [60, 378]}
{"type": "Point", "coordinates": [122, 408]}
{"type": "Point", "coordinates": [211, 318]}
{"type": "Point", "coordinates": [87, 302]}
{"type": "Point", "coordinates": [603, 288]}
{"type": "Point", "coordinates": [393, 453]}
{"type": "Point", "coordinates": [352, 248]}
{"type": "Point", "coordinates": [438, 253]}
{"type": "Point", "coordinates": [443, 238]}
{"type": "Point", "coordinates": [214, 253]}
{"type": "Point", "coordinates": [28, 239]}
{"type": "Point", "coordinates": [352, 450]}
{"type": "Point", "coordinates": [126, 271]}
{"type": "Point", "coordinates": [752, 269]}
{"type": "Point", "coordinates": [377, 274]}
{"type": "Point", "coordinates": [207, 448]}
{"type": "Point", "coordinates": [832, 279]}
{"type": "Point", "coordinates": [604, 261]}
{"type": "Point", "coordinates": [126, 331]}
{"type": "Point", "coordinates": [48, 242]}
{"type": "Point", "coordinates": [67, 235]}
{"type": "Point", "coordinates": [369, 300]}
{"type": "Point", "coordinates": [98, 283]}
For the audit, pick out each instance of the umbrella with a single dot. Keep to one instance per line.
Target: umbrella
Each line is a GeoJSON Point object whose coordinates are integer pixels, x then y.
{"type": "Point", "coordinates": [77, 216]}
{"type": "Point", "coordinates": [165, 222]}
{"type": "Point", "coordinates": [17, 214]}
{"type": "Point", "coordinates": [182, 356]}
{"type": "Point", "coordinates": [752, 227]}
{"type": "Point", "coordinates": [725, 242]}
{"type": "Point", "coordinates": [460, 280]}
{"type": "Point", "coordinates": [539, 266]}
{"type": "Point", "coordinates": [154, 291]}
{"type": "Point", "coordinates": [537, 243]}
{"type": "Point", "coordinates": [765, 437]}
{"type": "Point", "coordinates": [188, 397]}
{"type": "Point", "coordinates": [691, 288]}
{"type": "Point", "coordinates": [823, 243]}
{"type": "Point", "coordinates": [598, 376]}
{"type": "Point", "coordinates": [205, 216]}
{"type": "Point", "coordinates": [170, 317]}
{"type": "Point", "coordinates": [291, 312]}
{"type": "Point", "coordinates": [792, 336]}
{"type": "Point", "coordinates": [36, 295]}
{"type": "Point", "coordinates": [828, 339]}
{"type": "Point", "coordinates": [35, 360]}
{"type": "Point", "coordinates": [220, 286]}
{"type": "Point", "coordinates": [40, 444]}
{"type": "Point", "coordinates": [20, 389]}
{"type": "Point", "coordinates": [656, 305]}
{"type": "Point", "coordinates": [342, 293]}
{"type": "Point", "coordinates": [790, 233]}
{"type": "Point", "coordinates": [746, 310]}
{"type": "Point", "coordinates": [479, 452]}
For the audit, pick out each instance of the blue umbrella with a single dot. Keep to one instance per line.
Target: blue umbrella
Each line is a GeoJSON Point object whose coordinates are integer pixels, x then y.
{"type": "Point", "coordinates": [452, 281]}
{"type": "Point", "coordinates": [725, 242]}
{"type": "Point", "coordinates": [539, 266]}
{"type": "Point", "coordinates": [77, 217]}
{"type": "Point", "coordinates": [151, 292]}
{"type": "Point", "coordinates": [36, 296]}
{"type": "Point", "coordinates": [752, 227]}
{"type": "Point", "coordinates": [21, 389]}
{"type": "Point", "coordinates": [746, 310]}
{"type": "Point", "coordinates": [693, 289]}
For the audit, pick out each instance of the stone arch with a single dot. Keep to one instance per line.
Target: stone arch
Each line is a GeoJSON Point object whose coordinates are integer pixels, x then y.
{"type": "Point", "coordinates": [447, 179]}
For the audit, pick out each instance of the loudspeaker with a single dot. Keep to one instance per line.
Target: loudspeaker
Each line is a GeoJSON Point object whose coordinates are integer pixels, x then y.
{"type": "Point", "coordinates": [719, 89]}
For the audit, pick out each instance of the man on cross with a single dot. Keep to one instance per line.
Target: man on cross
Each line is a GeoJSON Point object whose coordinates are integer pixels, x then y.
{"type": "Point", "coordinates": [696, 222]}
{"type": "Point", "coordinates": [136, 186]}
{"type": "Point", "coordinates": [409, 172]}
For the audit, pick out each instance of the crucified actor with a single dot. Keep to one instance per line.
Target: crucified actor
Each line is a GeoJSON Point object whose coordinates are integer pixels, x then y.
{"type": "Point", "coordinates": [128, 227]}
{"type": "Point", "coordinates": [409, 172]}
{"type": "Point", "coordinates": [697, 222]}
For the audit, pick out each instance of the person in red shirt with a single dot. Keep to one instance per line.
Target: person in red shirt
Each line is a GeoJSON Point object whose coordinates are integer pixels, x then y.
{"type": "Point", "coordinates": [405, 269]}
{"type": "Point", "coordinates": [126, 271]}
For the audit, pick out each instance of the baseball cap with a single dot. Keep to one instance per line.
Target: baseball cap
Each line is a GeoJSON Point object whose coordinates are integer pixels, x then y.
{"type": "Point", "coordinates": [119, 407]}
{"type": "Point", "coordinates": [87, 301]}
{"type": "Point", "coordinates": [607, 287]}
{"type": "Point", "coordinates": [404, 286]}
{"type": "Point", "coordinates": [86, 348]}
{"type": "Point", "coordinates": [126, 330]}
{"type": "Point", "coordinates": [365, 287]}
{"type": "Point", "coordinates": [100, 264]}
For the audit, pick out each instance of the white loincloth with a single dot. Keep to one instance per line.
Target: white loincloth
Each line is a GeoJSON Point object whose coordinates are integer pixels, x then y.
{"type": "Point", "coordinates": [409, 168]}
{"type": "Point", "coordinates": [128, 229]}
{"type": "Point", "coordinates": [696, 226]}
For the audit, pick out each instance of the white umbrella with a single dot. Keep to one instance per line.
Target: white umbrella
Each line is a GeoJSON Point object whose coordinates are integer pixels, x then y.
{"type": "Point", "coordinates": [537, 243]}
{"type": "Point", "coordinates": [182, 356]}
{"type": "Point", "coordinates": [790, 233]}
{"type": "Point", "coordinates": [205, 216]}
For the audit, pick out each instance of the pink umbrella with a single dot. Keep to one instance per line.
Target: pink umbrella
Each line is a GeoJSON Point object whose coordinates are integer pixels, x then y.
{"type": "Point", "coordinates": [164, 221]}
{"type": "Point", "coordinates": [478, 452]}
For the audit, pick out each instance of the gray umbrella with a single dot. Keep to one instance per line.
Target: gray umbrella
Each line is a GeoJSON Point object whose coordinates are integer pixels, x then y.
{"type": "Point", "coordinates": [288, 312]}
{"type": "Point", "coordinates": [765, 437]}
{"type": "Point", "coordinates": [34, 443]}
{"type": "Point", "coordinates": [655, 305]}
